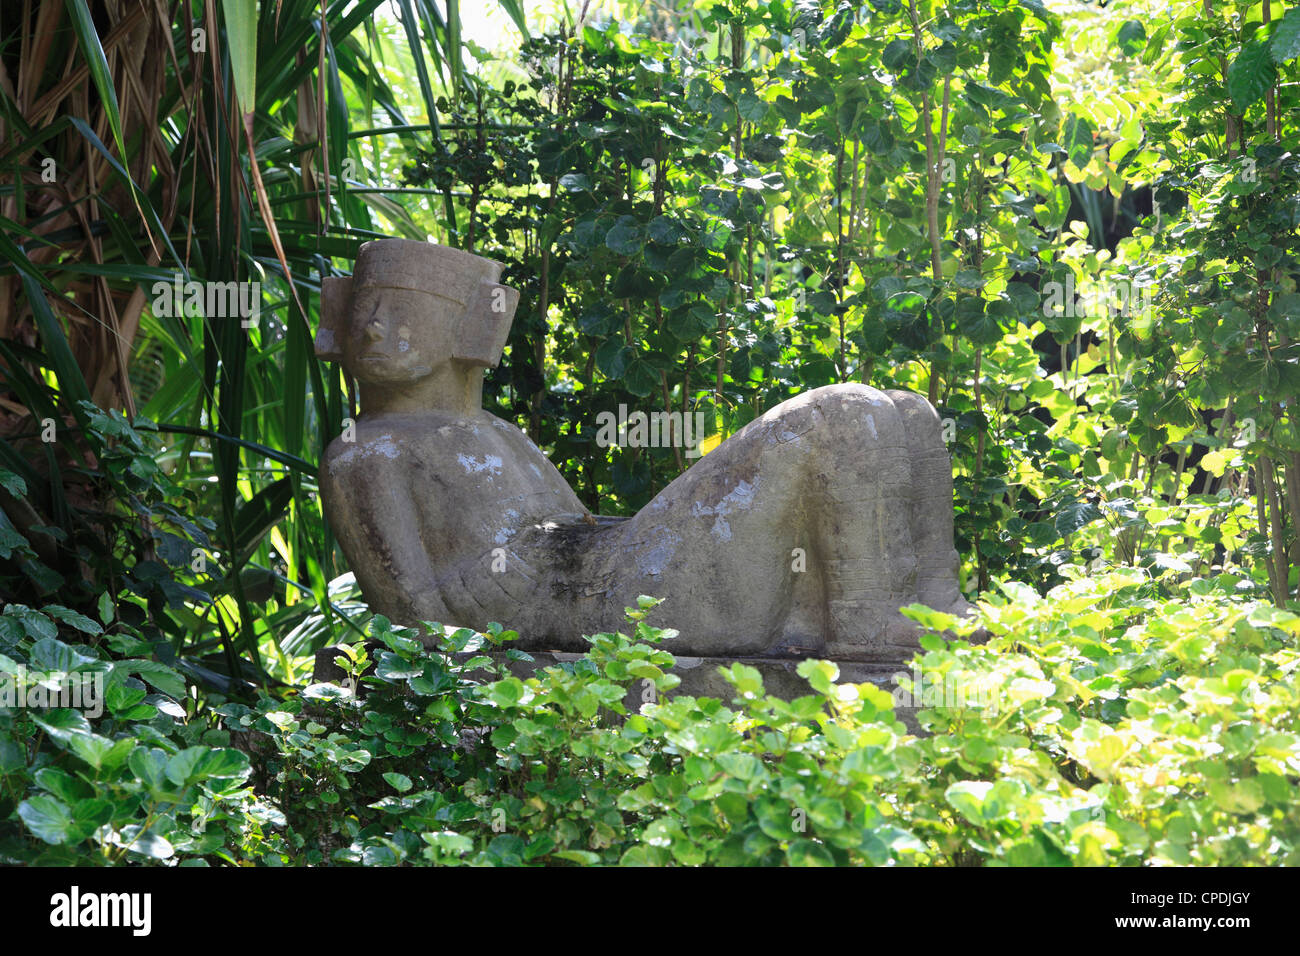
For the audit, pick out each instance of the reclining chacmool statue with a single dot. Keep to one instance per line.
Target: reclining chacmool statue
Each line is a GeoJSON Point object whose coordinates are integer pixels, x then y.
{"type": "Point", "coordinates": [800, 535]}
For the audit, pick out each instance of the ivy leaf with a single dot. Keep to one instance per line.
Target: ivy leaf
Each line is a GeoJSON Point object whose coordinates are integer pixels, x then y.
{"type": "Point", "coordinates": [1250, 76]}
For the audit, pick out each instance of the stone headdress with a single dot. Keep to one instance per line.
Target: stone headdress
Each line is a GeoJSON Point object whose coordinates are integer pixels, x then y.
{"type": "Point", "coordinates": [469, 280]}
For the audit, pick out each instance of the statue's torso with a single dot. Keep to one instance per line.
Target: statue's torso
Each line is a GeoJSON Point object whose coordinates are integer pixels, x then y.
{"type": "Point", "coordinates": [473, 483]}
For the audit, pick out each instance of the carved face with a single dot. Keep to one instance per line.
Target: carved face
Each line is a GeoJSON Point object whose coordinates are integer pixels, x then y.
{"type": "Point", "coordinates": [398, 335]}
{"type": "Point", "coordinates": [411, 309]}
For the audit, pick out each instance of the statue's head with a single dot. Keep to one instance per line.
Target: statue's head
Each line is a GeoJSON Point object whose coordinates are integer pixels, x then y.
{"type": "Point", "coordinates": [412, 307]}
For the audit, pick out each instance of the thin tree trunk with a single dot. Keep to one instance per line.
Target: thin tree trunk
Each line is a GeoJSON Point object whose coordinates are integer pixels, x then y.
{"type": "Point", "coordinates": [1281, 569]}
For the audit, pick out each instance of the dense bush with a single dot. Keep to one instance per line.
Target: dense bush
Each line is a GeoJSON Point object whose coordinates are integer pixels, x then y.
{"type": "Point", "coordinates": [1119, 720]}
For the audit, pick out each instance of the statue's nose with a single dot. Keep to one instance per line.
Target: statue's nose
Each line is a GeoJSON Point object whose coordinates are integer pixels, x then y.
{"type": "Point", "coordinates": [374, 330]}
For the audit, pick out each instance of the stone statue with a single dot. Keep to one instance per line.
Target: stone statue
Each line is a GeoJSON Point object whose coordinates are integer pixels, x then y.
{"type": "Point", "coordinates": [800, 535]}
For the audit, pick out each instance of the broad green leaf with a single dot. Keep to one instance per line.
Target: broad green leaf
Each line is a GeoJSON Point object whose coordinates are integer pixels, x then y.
{"type": "Point", "coordinates": [62, 724]}
{"type": "Point", "coordinates": [967, 798]}
{"type": "Point", "coordinates": [12, 483]}
{"type": "Point", "coordinates": [181, 765]}
{"type": "Point", "coordinates": [808, 853]}
{"type": "Point", "coordinates": [100, 752]}
{"type": "Point", "coordinates": [1250, 75]}
{"type": "Point", "coordinates": [1073, 516]}
{"type": "Point", "coordinates": [72, 619]}
{"type": "Point", "coordinates": [399, 781]}
{"type": "Point", "coordinates": [36, 624]}
{"type": "Point", "coordinates": [1285, 43]}
{"type": "Point", "coordinates": [1131, 38]}
{"type": "Point", "coordinates": [158, 675]}
{"type": "Point", "coordinates": [145, 843]}
{"type": "Point", "coordinates": [1078, 137]}
{"type": "Point", "coordinates": [47, 818]}
{"type": "Point", "coordinates": [820, 674]}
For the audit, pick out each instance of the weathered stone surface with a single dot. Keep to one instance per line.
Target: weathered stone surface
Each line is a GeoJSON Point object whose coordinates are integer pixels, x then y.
{"type": "Point", "coordinates": [801, 535]}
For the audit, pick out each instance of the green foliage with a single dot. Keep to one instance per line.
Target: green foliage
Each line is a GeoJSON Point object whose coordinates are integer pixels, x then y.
{"type": "Point", "coordinates": [716, 227]}
{"type": "Point", "coordinates": [1117, 721]}
{"type": "Point", "coordinates": [1088, 262]}
{"type": "Point", "coordinates": [124, 774]}
{"type": "Point", "coordinates": [1120, 720]}
{"type": "Point", "coordinates": [94, 234]}
{"type": "Point", "coordinates": [712, 216]}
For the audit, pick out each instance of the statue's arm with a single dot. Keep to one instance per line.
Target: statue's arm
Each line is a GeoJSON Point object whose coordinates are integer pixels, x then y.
{"type": "Point", "coordinates": [376, 520]}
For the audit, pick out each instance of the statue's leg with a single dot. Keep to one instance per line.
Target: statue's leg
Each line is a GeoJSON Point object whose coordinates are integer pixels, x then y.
{"type": "Point", "coordinates": [718, 544]}
{"type": "Point", "coordinates": [930, 505]}
{"type": "Point", "coordinates": [731, 545]}
{"type": "Point", "coordinates": [798, 535]}
{"type": "Point", "coordinates": [865, 544]}
{"type": "Point", "coordinates": [794, 536]}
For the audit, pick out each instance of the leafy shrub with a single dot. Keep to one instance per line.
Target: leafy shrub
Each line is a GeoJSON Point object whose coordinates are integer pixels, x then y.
{"type": "Point", "coordinates": [1119, 720]}
{"type": "Point", "coordinates": [1116, 724]}
{"type": "Point", "coordinates": [143, 781]}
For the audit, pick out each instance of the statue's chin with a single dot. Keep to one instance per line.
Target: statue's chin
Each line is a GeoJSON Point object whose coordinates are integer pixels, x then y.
{"type": "Point", "coordinates": [373, 373]}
